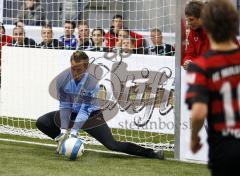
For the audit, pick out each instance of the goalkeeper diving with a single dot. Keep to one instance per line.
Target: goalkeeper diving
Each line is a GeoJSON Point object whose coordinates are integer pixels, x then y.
{"type": "Point", "coordinates": [80, 110]}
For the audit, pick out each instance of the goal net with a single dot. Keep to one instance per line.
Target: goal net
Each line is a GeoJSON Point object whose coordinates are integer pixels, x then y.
{"type": "Point", "coordinates": [144, 76]}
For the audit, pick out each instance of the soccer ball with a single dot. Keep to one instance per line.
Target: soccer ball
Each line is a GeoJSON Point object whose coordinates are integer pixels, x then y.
{"type": "Point", "coordinates": [72, 148]}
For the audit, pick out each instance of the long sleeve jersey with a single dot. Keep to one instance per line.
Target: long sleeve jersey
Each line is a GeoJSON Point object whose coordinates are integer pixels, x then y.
{"type": "Point", "coordinates": [77, 96]}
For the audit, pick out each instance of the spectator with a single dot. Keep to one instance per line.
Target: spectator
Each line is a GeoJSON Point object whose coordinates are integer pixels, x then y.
{"type": "Point", "coordinates": [128, 47]}
{"type": "Point", "coordinates": [125, 34]}
{"type": "Point", "coordinates": [19, 23]}
{"type": "Point", "coordinates": [197, 41]}
{"type": "Point", "coordinates": [112, 35]}
{"type": "Point", "coordinates": [158, 47]}
{"type": "Point", "coordinates": [32, 13]}
{"type": "Point", "coordinates": [20, 40]}
{"type": "Point", "coordinates": [48, 41]}
{"type": "Point", "coordinates": [68, 39]}
{"type": "Point", "coordinates": [75, 9]}
{"type": "Point", "coordinates": [98, 40]}
{"type": "Point", "coordinates": [84, 40]}
{"type": "Point", "coordinates": [122, 33]}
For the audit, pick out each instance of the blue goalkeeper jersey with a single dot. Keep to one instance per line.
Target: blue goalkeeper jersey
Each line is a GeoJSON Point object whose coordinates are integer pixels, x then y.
{"type": "Point", "coordinates": [79, 97]}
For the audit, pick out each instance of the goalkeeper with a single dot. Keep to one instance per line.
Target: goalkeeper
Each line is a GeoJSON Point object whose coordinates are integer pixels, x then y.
{"type": "Point", "coordinates": [79, 109]}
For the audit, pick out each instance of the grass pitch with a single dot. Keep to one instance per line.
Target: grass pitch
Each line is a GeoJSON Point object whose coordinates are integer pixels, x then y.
{"type": "Point", "coordinates": [18, 159]}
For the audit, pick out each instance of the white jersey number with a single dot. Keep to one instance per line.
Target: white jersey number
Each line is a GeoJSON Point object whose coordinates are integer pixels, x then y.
{"type": "Point", "coordinates": [226, 91]}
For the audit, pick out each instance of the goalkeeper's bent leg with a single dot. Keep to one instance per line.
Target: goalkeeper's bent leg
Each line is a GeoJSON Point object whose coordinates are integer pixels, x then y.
{"type": "Point", "coordinates": [48, 125]}
{"type": "Point", "coordinates": [103, 134]}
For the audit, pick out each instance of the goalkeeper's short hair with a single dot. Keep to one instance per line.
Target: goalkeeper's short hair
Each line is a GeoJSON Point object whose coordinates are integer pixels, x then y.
{"type": "Point", "coordinates": [78, 56]}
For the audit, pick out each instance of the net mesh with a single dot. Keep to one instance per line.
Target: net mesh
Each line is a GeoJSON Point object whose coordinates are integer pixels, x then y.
{"type": "Point", "coordinates": [139, 17]}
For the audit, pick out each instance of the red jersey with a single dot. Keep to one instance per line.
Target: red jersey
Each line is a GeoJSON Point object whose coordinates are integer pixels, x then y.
{"type": "Point", "coordinates": [197, 44]}
{"type": "Point", "coordinates": [6, 40]}
{"type": "Point", "coordinates": [111, 39]}
{"type": "Point", "coordinates": [214, 79]}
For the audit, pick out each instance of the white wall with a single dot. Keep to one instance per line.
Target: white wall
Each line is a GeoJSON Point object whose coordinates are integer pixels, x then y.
{"type": "Point", "coordinates": [27, 74]}
{"type": "Point", "coordinates": [185, 152]}
{"type": "Point", "coordinates": [1, 11]}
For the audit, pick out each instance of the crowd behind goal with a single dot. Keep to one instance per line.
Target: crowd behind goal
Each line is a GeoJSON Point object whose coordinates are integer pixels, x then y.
{"type": "Point", "coordinates": [77, 34]}
{"type": "Point", "coordinates": [118, 35]}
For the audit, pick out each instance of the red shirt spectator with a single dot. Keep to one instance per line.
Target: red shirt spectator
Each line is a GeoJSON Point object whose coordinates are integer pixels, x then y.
{"type": "Point", "coordinates": [112, 37]}
{"type": "Point", "coordinates": [197, 44]}
{"type": "Point", "coordinates": [197, 41]}
{"type": "Point", "coordinates": [4, 39]}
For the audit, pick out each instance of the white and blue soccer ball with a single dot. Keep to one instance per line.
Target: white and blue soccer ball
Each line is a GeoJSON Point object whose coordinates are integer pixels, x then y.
{"type": "Point", "coordinates": [72, 148]}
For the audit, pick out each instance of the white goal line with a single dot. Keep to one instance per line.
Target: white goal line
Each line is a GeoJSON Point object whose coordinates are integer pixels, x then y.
{"type": "Point", "coordinates": [54, 145]}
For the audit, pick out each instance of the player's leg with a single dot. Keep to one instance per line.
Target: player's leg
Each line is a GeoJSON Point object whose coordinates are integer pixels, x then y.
{"type": "Point", "coordinates": [48, 124]}
{"type": "Point", "coordinates": [227, 166]}
{"type": "Point", "coordinates": [102, 133]}
{"type": "Point", "coordinates": [224, 171]}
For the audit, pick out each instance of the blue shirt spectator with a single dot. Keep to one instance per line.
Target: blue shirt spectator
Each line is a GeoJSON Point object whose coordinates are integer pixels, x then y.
{"type": "Point", "coordinates": [69, 44]}
{"type": "Point", "coordinates": [68, 39]}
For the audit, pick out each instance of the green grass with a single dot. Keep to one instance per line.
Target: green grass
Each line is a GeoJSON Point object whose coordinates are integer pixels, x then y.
{"type": "Point", "coordinates": [19, 159]}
